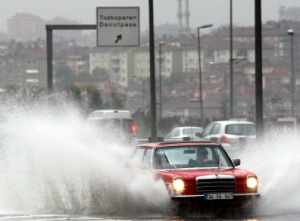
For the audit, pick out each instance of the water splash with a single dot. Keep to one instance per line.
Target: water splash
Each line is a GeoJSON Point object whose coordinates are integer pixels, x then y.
{"type": "Point", "coordinates": [276, 160]}
{"type": "Point", "coordinates": [51, 160]}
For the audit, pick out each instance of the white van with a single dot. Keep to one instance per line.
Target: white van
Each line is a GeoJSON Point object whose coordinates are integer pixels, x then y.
{"type": "Point", "coordinates": [120, 122]}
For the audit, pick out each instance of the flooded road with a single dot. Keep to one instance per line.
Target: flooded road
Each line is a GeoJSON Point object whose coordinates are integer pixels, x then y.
{"type": "Point", "coordinates": [45, 217]}
{"type": "Point", "coordinates": [52, 162]}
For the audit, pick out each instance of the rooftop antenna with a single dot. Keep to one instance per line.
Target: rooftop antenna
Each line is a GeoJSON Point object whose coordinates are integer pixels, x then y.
{"type": "Point", "coordinates": [180, 17]}
{"type": "Point", "coordinates": [187, 16]}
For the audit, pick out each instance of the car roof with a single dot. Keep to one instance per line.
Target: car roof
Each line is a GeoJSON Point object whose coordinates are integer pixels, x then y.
{"type": "Point", "coordinates": [109, 114]}
{"type": "Point", "coordinates": [187, 127]}
{"type": "Point", "coordinates": [176, 144]}
{"type": "Point", "coordinates": [234, 122]}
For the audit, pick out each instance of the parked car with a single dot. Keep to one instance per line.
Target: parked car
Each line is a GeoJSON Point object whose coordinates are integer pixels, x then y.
{"type": "Point", "coordinates": [118, 122]}
{"type": "Point", "coordinates": [231, 133]}
{"type": "Point", "coordinates": [182, 132]}
{"type": "Point", "coordinates": [198, 170]}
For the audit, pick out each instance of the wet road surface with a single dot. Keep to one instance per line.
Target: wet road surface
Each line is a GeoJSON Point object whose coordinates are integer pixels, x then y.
{"type": "Point", "coordinates": [46, 217]}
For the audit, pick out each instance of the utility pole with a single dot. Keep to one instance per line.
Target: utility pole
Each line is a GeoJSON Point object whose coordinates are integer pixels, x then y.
{"type": "Point", "coordinates": [292, 80]}
{"type": "Point", "coordinates": [160, 81]}
{"type": "Point", "coordinates": [152, 73]}
{"type": "Point", "coordinates": [49, 40]}
{"type": "Point", "coordinates": [258, 70]}
{"type": "Point", "coordinates": [200, 72]}
{"type": "Point", "coordinates": [231, 74]}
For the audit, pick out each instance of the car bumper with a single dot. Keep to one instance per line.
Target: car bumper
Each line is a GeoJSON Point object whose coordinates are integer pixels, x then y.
{"type": "Point", "coordinates": [236, 196]}
{"type": "Point", "coordinates": [240, 202]}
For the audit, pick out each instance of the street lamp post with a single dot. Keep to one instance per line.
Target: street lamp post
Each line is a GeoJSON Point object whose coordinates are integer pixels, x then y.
{"type": "Point", "coordinates": [160, 80]}
{"type": "Point", "coordinates": [152, 72]}
{"type": "Point", "coordinates": [258, 69]}
{"type": "Point", "coordinates": [231, 77]}
{"type": "Point", "coordinates": [292, 81]}
{"type": "Point", "coordinates": [200, 71]}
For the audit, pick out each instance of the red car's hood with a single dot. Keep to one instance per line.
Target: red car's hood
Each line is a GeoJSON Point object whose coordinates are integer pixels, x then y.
{"type": "Point", "coordinates": [193, 173]}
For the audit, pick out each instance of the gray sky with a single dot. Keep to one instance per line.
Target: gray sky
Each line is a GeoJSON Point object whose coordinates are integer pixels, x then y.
{"type": "Point", "coordinates": [202, 11]}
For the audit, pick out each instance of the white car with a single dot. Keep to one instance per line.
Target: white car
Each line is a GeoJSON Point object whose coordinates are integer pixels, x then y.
{"type": "Point", "coordinates": [183, 132]}
{"type": "Point", "coordinates": [231, 133]}
{"type": "Point", "coordinates": [118, 122]}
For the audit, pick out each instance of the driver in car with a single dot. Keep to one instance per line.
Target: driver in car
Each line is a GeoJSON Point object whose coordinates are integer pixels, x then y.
{"type": "Point", "coordinates": [202, 159]}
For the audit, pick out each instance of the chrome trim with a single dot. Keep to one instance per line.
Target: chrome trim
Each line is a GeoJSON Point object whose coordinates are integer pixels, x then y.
{"type": "Point", "coordinates": [197, 168]}
{"type": "Point", "coordinates": [246, 194]}
{"type": "Point", "coordinates": [187, 196]}
{"type": "Point", "coordinates": [215, 177]}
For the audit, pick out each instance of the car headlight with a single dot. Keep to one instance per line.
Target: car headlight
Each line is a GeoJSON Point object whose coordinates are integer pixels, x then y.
{"type": "Point", "coordinates": [178, 186]}
{"type": "Point", "coordinates": [252, 182]}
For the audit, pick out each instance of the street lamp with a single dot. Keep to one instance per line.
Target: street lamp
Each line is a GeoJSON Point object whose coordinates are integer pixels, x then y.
{"type": "Point", "coordinates": [200, 71]}
{"type": "Point", "coordinates": [292, 81]}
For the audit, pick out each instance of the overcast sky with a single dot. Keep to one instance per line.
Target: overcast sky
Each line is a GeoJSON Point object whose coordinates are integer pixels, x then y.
{"type": "Point", "coordinates": [202, 11]}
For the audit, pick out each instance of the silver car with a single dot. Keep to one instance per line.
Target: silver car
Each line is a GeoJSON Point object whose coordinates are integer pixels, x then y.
{"type": "Point", "coordinates": [231, 133]}
{"type": "Point", "coordinates": [184, 132]}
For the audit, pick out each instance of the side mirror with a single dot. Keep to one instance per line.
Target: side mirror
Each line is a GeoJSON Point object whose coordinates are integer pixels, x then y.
{"type": "Point", "coordinates": [237, 162]}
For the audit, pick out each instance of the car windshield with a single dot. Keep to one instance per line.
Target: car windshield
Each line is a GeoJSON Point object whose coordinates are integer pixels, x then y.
{"type": "Point", "coordinates": [191, 157]}
{"type": "Point", "coordinates": [191, 131]}
{"type": "Point", "coordinates": [241, 129]}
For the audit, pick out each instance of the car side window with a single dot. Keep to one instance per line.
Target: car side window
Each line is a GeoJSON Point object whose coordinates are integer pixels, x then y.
{"type": "Point", "coordinates": [161, 160]}
{"type": "Point", "coordinates": [175, 133]}
{"type": "Point", "coordinates": [187, 131]}
{"type": "Point", "coordinates": [216, 129]}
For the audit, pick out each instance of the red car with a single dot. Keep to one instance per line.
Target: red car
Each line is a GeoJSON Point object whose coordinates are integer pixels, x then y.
{"type": "Point", "coordinates": [198, 170]}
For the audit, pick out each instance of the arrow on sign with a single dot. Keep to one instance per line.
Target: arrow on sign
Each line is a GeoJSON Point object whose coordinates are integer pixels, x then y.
{"type": "Point", "coordinates": [118, 38]}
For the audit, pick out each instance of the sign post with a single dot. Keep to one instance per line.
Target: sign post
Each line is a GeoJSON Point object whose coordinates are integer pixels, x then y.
{"type": "Point", "coordinates": [118, 26]}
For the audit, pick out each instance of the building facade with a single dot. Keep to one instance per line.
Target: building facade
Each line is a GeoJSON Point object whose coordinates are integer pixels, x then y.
{"type": "Point", "coordinates": [26, 27]}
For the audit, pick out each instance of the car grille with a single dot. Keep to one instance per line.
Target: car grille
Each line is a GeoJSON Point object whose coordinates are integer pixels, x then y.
{"type": "Point", "coordinates": [218, 185]}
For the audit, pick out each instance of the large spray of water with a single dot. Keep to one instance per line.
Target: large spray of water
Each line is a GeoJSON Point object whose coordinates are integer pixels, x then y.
{"type": "Point", "coordinates": [52, 161]}
{"type": "Point", "coordinates": [276, 160]}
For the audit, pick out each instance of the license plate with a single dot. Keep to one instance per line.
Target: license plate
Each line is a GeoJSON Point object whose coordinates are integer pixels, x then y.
{"type": "Point", "coordinates": [219, 196]}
